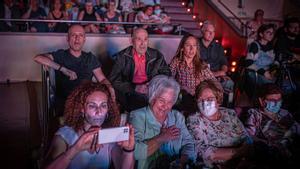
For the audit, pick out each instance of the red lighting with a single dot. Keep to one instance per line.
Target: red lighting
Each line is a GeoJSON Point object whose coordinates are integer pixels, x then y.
{"type": "Point", "coordinates": [233, 63]}
{"type": "Point", "coordinates": [189, 10]}
{"type": "Point", "coordinates": [182, 3]}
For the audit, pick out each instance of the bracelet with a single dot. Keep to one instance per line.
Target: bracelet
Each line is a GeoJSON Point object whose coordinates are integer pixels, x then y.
{"type": "Point", "coordinates": [60, 66]}
{"type": "Point", "coordinates": [128, 151]}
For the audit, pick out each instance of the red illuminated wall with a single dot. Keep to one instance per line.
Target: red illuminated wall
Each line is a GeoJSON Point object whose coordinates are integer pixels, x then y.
{"type": "Point", "coordinates": [224, 31]}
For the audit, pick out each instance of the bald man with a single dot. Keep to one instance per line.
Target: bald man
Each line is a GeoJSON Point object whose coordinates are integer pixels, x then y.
{"type": "Point", "coordinates": [134, 67]}
{"type": "Point", "coordinates": [72, 66]}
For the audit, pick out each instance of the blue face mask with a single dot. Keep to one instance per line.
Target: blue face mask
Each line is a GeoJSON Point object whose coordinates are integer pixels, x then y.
{"type": "Point", "coordinates": [273, 106]}
{"type": "Point", "coordinates": [157, 11]}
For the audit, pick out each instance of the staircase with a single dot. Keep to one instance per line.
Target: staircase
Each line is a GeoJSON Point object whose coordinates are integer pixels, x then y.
{"type": "Point", "coordinates": [179, 15]}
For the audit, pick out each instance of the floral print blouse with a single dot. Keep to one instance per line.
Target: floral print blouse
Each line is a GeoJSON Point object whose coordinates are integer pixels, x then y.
{"type": "Point", "coordinates": [273, 128]}
{"type": "Point", "coordinates": [210, 135]}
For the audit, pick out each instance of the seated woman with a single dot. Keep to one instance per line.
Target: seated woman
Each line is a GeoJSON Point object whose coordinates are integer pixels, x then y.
{"type": "Point", "coordinates": [269, 123]}
{"type": "Point", "coordinates": [36, 12]}
{"type": "Point", "coordinates": [160, 132]}
{"type": "Point", "coordinates": [189, 70]}
{"type": "Point", "coordinates": [260, 58]}
{"type": "Point", "coordinates": [112, 15]}
{"type": "Point", "coordinates": [57, 12]}
{"type": "Point", "coordinates": [88, 108]}
{"type": "Point", "coordinates": [89, 14]}
{"type": "Point", "coordinates": [217, 131]}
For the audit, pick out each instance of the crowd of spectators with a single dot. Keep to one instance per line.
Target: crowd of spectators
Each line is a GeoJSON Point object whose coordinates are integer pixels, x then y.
{"type": "Point", "coordinates": [84, 10]}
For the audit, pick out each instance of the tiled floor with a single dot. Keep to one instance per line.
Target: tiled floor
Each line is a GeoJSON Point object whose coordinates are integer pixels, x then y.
{"type": "Point", "coordinates": [16, 136]}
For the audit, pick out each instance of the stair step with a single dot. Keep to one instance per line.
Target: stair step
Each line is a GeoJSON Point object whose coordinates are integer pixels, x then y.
{"type": "Point", "coordinates": [186, 24]}
{"type": "Point", "coordinates": [170, 3]}
{"type": "Point", "coordinates": [180, 16]}
{"type": "Point", "coordinates": [172, 9]}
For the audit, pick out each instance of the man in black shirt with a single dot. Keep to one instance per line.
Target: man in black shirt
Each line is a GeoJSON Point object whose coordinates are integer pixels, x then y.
{"type": "Point", "coordinates": [73, 66]}
{"type": "Point", "coordinates": [213, 54]}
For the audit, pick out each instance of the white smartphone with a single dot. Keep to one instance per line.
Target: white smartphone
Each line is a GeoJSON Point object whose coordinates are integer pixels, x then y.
{"type": "Point", "coordinates": [112, 135]}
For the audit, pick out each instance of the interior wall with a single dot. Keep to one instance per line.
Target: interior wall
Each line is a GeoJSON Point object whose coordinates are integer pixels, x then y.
{"type": "Point", "coordinates": [18, 49]}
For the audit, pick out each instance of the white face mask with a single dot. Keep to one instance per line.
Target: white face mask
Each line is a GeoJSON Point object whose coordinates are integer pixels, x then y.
{"type": "Point", "coordinates": [207, 108]}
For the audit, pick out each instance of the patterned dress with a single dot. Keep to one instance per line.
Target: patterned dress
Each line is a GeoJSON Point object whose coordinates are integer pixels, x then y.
{"type": "Point", "coordinates": [185, 75]}
{"type": "Point", "coordinates": [211, 135]}
{"type": "Point", "coordinates": [273, 128]}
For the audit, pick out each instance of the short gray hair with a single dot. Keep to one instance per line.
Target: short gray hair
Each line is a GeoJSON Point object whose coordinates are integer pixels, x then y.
{"type": "Point", "coordinates": [205, 25]}
{"type": "Point", "coordinates": [161, 82]}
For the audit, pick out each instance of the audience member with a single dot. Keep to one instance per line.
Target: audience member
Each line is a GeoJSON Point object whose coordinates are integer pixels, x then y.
{"type": "Point", "coordinates": [213, 54]}
{"type": "Point", "coordinates": [260, 57]}
{"type": "Point", "coordinates": [271, 124]}
{"type": "Point", "coordinates": [57, 12]}
{"type": "Point", "coordinates": [189, 70]}
{"type": "Point", "coordinates": [112, 15]}
{"type": "Point", "coordinates": [75, 145]}
{"type": "Point", "coordinates": [159, 130]}
{"type": "Point", "coordinates": [161, 17]}
{"type": "Point", "coordinates": [254, 24]}
{"type": "Point", "coordinates": [134, 67]}
{"type": "Point", "coordinates": [9, 10]}
{"type": "Point", "coordinates": [219, 135]}
{"type": "Point", "coordinates": [73, 66]}
{"type": "Point", "coordinates": [36, 12]}
{"type": "Point", "coordinates": [89, 14]}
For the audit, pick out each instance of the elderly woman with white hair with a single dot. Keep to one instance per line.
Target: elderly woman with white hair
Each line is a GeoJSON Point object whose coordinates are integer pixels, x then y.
{"type": "Point", "coordinates": [160, 132]}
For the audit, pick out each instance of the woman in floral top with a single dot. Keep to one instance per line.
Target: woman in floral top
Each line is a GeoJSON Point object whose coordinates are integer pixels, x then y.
{"type": "Point", "coordinates": [217, 131]}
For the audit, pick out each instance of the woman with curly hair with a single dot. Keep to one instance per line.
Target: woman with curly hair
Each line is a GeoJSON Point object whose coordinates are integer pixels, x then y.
{"type": "Point", "coordinates": [88, 109]}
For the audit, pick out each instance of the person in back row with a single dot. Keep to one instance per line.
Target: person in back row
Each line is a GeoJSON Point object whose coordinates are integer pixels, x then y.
{"type": "Point", "coordinates": [189, 70]}
{"type": "Point", "coordinates": [72, 66]}
{"type": "Point", "coordinates": [134, 67]}
{"type": "Point", "coordinates": [213, 54]}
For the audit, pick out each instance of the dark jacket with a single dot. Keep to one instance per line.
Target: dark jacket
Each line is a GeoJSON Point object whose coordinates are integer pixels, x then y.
{"type": "Point", "coordinates": [122, 72]}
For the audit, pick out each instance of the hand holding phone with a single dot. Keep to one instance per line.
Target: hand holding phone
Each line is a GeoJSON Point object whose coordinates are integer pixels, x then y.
{"type": "Point", "coordinates": [112, 135]}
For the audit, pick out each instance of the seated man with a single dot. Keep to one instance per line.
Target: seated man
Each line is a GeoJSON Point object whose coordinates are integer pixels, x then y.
{"type": "Point", "coordinates": [133, 68]}
{"type": "Point", "coordinates": [213, 54]}
{"type": "Point", "coordinates": [72, 66]}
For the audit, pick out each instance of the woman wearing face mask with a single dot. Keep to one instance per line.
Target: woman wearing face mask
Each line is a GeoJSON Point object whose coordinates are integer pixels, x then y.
{"type": "Point", "coordinates": [218, 133]}
{"type": "Point", "coordinates": [89, 108]}
{"type": "Point", "coordinates": [269, 123]}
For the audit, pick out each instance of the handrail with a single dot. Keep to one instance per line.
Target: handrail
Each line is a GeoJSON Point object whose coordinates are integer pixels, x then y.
{"type": "Point", "coordinates": [236, 17]}
{"type": "Point", "coordinates": [226, 19]}
{"type": "Point", "coordinates": [84, 22]}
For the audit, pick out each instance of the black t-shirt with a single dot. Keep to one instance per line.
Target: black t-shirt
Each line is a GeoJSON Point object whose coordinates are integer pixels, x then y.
{"type": "Point", "coordinates": [83, 66]}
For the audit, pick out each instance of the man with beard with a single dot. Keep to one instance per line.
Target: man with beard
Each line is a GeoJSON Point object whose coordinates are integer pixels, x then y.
{"type": "Point", "coordinates": [134, 67]}
{"type": "Point", "coordinates": [72, 66]}
{"type": "Point", "coordinates": [288, 41]}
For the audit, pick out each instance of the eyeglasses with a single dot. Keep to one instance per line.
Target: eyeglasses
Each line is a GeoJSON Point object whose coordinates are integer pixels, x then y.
{"type": "Point", "coordinates": [93, 107]}
{"type": "Point", "coordinates": [207, 99]}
